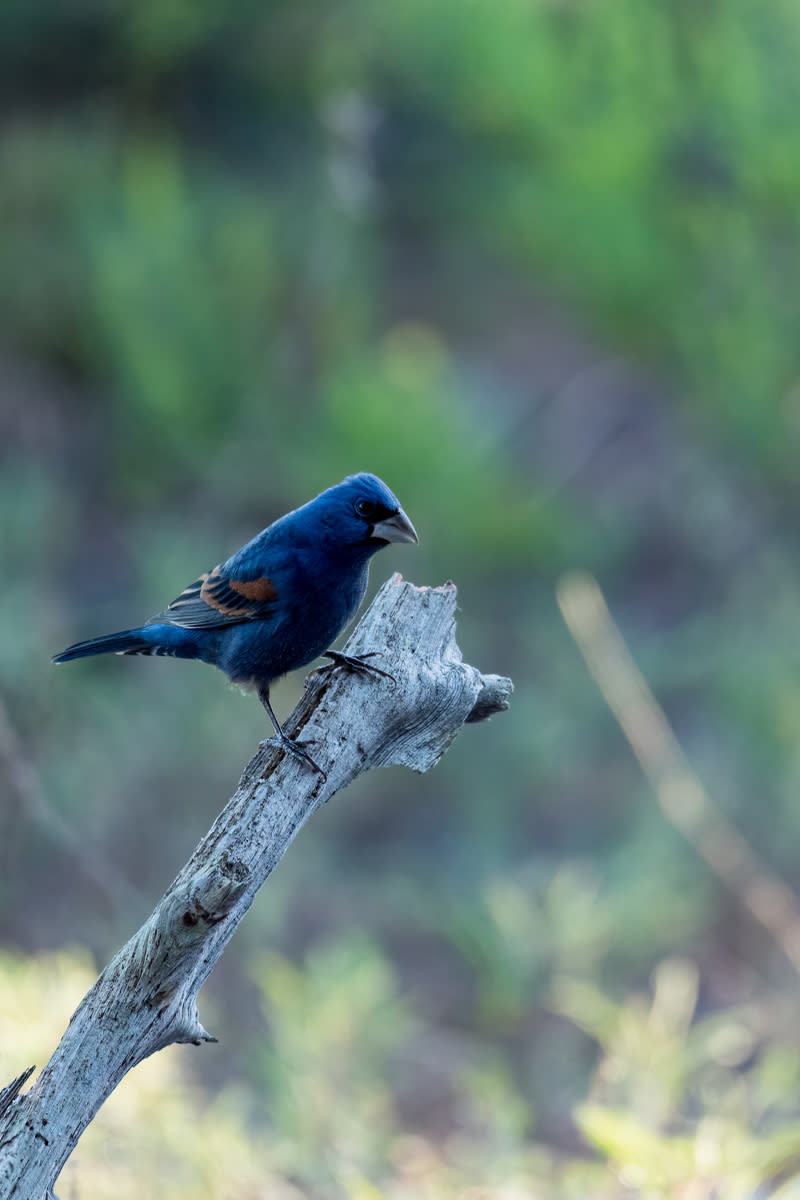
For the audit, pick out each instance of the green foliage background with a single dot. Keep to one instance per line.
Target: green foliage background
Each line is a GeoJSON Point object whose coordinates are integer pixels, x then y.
{"type": "Point", "coordinates": [534, 262]}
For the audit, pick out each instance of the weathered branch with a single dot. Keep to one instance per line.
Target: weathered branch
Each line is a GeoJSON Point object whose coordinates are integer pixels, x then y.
{"type": "Point", "coordinates": [146, 997]}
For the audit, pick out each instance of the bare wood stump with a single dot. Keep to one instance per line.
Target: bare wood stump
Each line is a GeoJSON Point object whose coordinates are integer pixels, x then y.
{"type": "Point", "coordinates": [146, 998]}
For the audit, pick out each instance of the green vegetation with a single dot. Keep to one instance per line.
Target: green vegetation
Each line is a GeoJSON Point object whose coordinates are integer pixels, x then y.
{"type": "Point", "coordinates": [535, 264]}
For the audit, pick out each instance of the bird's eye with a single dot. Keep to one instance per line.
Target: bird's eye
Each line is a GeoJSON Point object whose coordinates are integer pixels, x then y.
{"type": "Point", "coordinates": [365, 508]}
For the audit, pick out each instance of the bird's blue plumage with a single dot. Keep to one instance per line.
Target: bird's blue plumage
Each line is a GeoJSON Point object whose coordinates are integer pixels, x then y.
{"type": "Point", "coordinates": [281, 600]}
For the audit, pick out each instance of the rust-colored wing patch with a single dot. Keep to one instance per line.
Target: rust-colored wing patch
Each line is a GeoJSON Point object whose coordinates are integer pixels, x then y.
{"type": "Point", "coordinates": [263, 590]}
{"type": "Point", "coordinates": [213, 600]}
{"type": "Point", "coordinates": [245, 599]}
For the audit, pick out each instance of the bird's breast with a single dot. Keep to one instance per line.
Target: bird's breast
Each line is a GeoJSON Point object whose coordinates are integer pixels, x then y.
{"type": "Point", "coordinates": [306, 620]}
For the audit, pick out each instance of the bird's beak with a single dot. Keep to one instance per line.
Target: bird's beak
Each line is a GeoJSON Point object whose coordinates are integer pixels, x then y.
{"type": "Point", "coordinates": [396, 528]}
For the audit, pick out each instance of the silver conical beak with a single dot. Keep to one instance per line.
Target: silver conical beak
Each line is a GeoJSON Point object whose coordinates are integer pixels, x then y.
{"type": "Point", "coordinates": [396, 528]}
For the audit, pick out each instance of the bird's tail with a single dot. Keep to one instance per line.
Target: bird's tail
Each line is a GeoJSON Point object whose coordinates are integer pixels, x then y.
{"type": "Point", "coordinates": [130, 641]}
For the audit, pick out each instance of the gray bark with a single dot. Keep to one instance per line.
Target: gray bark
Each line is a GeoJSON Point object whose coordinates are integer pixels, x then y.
{"type": "Point", "coordinates": [146, 998]}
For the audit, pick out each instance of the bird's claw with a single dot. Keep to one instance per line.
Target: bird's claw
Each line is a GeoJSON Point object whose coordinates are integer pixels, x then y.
{"type": "Point", "coordinates": [284, 742]}
{"type": "Point", "coordinates": [354, 662]}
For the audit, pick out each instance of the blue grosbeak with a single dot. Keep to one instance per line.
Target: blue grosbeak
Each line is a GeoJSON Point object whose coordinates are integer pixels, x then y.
{"type": "Point", "coordinates": [280, 601]}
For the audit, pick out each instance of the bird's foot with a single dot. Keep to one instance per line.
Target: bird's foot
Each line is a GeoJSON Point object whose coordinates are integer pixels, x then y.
{"type": "Point", "coordinates": [354, 662]}
{"type": "Point", "coordinates": [281, 738]}
{"type": "Point", "coordinates": [295, 749]}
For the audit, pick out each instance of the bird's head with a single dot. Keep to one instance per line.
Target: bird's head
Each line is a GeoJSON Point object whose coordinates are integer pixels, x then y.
{"type": "Point", "coordinates": [361, 512]}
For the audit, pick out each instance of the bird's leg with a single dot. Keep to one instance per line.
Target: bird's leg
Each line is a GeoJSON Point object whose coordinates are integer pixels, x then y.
{"type": "Point", "coordinates": [283, 738]}
{"type": "Point", "coordinates": [354, 662]}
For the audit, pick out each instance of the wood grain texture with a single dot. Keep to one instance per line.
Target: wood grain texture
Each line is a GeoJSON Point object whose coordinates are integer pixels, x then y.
{"type": "Point", "coordinates": [146, 998]}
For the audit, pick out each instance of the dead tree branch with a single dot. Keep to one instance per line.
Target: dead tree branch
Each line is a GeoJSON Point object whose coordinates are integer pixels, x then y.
{"type": "Point", "coordinates": [146, 998]}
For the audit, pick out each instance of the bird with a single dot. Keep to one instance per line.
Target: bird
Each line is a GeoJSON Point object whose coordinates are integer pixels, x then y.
{"type": "Point", "coordinates": [281, 600]}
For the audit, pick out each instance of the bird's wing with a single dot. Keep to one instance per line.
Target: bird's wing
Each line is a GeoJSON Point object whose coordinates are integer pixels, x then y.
{"type": "Point", "coordinates": [218, 599]}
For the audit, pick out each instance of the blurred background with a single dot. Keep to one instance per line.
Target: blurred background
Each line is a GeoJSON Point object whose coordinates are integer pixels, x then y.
{"type": "Point", "coordinates": [535, 263]}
